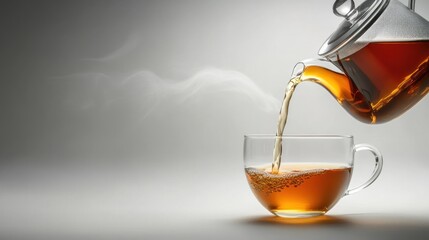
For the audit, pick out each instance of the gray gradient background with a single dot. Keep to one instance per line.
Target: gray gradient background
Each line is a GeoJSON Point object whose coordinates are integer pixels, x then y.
{"type": "Point", "coordinates": [125, 119]}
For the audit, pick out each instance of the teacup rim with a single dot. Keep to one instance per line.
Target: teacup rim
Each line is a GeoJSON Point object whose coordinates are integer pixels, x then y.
{"type": "Point", "coordinates": [297, 136]}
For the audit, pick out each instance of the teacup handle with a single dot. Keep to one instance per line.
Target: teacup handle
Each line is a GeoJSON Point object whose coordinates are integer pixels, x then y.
{"type": "Point", "coordinates": [377, 169]}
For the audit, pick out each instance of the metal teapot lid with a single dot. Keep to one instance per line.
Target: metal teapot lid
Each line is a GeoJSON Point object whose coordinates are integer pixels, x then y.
{"type": "Point", "coordinates": [356, 22]}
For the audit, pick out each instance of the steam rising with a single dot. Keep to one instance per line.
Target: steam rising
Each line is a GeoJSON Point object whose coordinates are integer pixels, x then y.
{"type": "Point", "coordinates": [129, 45]}
{"type": "Point", "coordinates": [210, 81]}
{"type": "Point", "coordinates": [147, 90]}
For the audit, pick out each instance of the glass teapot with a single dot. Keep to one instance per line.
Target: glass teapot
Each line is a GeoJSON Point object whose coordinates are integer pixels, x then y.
{"type": "Point", "coordinates": [376, 64]}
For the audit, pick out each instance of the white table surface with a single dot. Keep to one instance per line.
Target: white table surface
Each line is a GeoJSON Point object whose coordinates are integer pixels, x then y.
{"type": "Point", "coordinates": [180, 202]}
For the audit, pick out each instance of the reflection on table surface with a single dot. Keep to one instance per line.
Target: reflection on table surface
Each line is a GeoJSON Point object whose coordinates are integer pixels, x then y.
{"type": "Point", "coordinates": [351, 226]}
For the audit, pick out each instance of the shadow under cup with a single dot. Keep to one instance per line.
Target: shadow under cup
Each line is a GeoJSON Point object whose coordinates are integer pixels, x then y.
{"type": "Point", "coordinates": [313, 174]}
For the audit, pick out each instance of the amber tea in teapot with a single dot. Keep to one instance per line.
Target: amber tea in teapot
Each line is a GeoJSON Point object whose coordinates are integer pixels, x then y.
{"type": "Point", "coordinates": [388, 79]}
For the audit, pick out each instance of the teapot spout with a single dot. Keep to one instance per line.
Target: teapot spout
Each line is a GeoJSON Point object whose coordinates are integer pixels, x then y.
{"type": "Point", "coordinates": [330, 77]}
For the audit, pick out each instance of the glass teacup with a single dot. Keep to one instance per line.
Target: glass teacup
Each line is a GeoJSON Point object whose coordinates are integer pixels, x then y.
{"type": "Point", "coordinates": [314, 172]}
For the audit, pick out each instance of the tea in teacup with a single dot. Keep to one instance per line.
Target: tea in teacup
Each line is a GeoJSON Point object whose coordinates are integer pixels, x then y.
{"type": "Point", "coordinates": [299, 188]}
